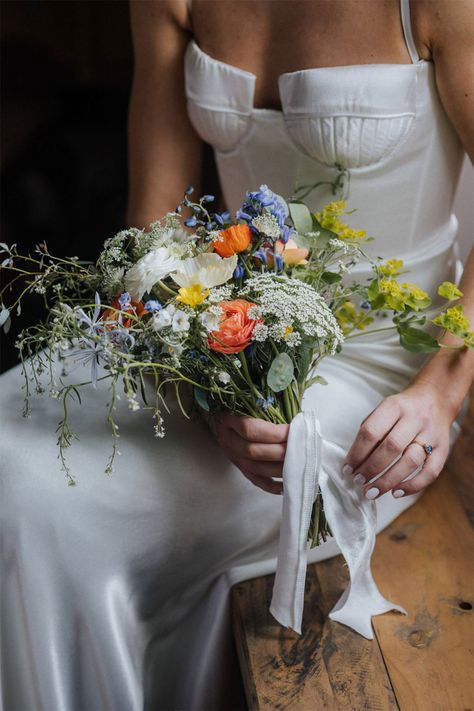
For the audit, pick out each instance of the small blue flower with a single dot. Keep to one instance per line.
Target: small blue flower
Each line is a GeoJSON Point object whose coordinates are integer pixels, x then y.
{"type": "Point", "coordinates": [208, 198]}
{"type": "Point", "coordinates": [279, 262]}
{"type": "Point", "coordinates": [365, 305]}
{"type": "Point", "coordinates": [190, 222]}
{"type": "Point", "coordinates": [242, 215]}
{"type": "Point", "coordinates": [265, 403]}
{"type": "Point", "coordinates": [189, 190]}
{"type": "Point", "coordinates": [153, 305]}
{"type": "Point", "coordinates": [260, 254]}
{"type": "Point", "coordinates": [238, 272]}
{"type": "Point", "coordinates": [219, 219]}
{"type": "Point", "coordinates": [125, 300]}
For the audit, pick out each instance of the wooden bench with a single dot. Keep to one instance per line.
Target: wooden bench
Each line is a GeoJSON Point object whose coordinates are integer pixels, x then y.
{"type": "Point", "coordinates": [419, 662]}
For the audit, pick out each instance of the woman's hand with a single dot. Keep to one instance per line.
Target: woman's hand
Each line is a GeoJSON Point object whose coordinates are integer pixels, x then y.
{"type": "Point", "coordinates": [397, 429]}
{"type": "Point", "coordinates": [255, 446]}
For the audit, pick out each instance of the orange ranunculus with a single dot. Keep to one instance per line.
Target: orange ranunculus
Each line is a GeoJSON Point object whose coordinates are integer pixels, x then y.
{"type": "Point", "coordinates": [235, 329]}
{"type": "Point", "coordinates": [233, 240]}
{"type": "Point", "coordinates": [136, 308]}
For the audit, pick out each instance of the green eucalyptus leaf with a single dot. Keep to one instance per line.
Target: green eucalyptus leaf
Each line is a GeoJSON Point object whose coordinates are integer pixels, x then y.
{"type": "Point", "coordinates": [331, 277]}
{"type": "Point", "coordinates": [300, 216]}
{"type": "Point", "coordinates": [324, 235]}
{"type": "Point", "coordinates": [200, 397]}
{"type": "Point", "coordinates": [417, 341]}
{"type": "Point", "coordinates": [281, 372]}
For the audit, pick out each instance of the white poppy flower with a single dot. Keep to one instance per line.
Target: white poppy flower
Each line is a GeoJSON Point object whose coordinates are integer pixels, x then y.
{"type": "Point", "coordinates": [207, 270]}
{"type": "Point", "coordinates": [155, 265]}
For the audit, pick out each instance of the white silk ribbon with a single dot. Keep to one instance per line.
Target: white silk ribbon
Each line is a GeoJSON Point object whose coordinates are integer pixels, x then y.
{"type": "Point", "coordinates": [310, 460]}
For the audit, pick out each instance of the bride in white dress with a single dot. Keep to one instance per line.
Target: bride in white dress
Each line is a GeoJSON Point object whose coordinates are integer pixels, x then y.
{"type": "Point", "coordinates": [115, 593]}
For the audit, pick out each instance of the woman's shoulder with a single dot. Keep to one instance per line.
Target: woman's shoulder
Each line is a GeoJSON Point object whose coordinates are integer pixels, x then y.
{"type": "Point", "coordinates": [439, 23]}
{"type": "Point", "coordinates": [158, 14]}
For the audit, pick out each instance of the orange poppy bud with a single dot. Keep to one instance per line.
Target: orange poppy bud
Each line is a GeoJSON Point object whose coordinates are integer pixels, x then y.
{"type": "Point", "coordinates": [233, 240]}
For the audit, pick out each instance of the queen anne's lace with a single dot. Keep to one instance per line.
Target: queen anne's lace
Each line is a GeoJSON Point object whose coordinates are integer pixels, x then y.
{"type": "Point", "coordinates": [290, 308]}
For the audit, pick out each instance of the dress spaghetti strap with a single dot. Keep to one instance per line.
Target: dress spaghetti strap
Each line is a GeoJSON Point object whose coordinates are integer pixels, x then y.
{"type": "Point", "coordinates": [406, 24]}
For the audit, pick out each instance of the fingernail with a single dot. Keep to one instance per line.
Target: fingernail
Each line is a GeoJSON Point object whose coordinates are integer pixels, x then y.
{"type": "Point", "coordinates": [372, 493]}
{"type": "Point", "coordinates": [398, 493]}
{"type": "Point", "coordinates": [359, 479]}
{"type": "Point", "coordinates": [347, 470]}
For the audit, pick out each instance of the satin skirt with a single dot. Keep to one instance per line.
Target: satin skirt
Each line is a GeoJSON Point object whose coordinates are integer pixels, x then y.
{"type": "Point", "coordinates": [115, 593]}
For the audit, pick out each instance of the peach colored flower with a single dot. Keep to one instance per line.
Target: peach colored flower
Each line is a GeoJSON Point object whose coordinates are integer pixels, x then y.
{"type": "Point", "coordinates": [291, 253]}
{"type": "Point", "coordinates": [233, 240]}
{"type": "Point", "coordinates": [136, 308]}
{"type": "Point", "coordinates": [235, 328]}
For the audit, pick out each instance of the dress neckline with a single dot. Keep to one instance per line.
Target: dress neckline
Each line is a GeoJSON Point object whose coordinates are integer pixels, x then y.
{"type": "Point", "coordinates": [251, 76]}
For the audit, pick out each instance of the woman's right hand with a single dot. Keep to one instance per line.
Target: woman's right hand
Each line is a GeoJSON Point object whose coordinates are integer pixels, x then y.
{"type": "Point", "coordinates": [256, 447]}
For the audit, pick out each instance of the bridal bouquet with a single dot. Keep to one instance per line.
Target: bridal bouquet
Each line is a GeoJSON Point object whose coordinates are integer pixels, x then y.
{"type": "Point", "coordinates": [240, 309]}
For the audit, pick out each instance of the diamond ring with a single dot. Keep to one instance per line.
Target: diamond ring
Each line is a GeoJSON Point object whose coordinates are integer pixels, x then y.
{"type": "Point", "coordinates": [428, 448]}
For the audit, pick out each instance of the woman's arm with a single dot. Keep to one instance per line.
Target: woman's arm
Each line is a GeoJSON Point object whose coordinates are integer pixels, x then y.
{"type": "Point", "coordinates": [424, 412]}
{"type": "Point", "coordinates": [165, 154]}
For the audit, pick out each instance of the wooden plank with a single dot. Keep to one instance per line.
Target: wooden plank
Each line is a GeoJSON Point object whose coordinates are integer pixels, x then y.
{"type": "Point", "coordinates": [424, 562]}
{"type": "Point", "coordinates": [329, 667]}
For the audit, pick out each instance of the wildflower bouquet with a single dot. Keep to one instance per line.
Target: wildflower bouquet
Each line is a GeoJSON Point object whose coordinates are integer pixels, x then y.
{"type": "Point", "coordinates": [241, 310]}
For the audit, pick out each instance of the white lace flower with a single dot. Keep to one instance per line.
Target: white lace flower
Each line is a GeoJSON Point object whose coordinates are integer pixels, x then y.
{"type": "Point", "coordinates": [155, 265]}
{"type": "Point", "coordinates": [223, 377]}
{"type": "Point", "coordinates": [268, 225]}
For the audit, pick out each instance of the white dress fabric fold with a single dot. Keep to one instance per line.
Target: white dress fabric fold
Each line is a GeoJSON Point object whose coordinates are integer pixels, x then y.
{"type": "Point", "coordinates": [311, 461]}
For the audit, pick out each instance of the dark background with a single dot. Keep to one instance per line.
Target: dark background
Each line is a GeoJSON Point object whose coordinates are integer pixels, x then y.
{"type": "Point", "coordinates": [66, 73]}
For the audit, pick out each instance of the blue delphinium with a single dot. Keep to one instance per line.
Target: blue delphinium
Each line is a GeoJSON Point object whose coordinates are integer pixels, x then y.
{"type": "Point", "coordinates": [264, 199]}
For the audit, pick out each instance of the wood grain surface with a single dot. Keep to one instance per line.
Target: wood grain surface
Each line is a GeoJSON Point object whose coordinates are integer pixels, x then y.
{"type": "Point", "coordinates": [419, 662]}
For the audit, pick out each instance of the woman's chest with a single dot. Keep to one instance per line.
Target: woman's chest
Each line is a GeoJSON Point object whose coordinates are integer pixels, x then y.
{"type": "Point", "coordinates": [268, 38]}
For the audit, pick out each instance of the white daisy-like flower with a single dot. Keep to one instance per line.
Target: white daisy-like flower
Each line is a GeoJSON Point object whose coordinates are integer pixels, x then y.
{"type": "Point", "coordinates": [210, 319]}
{"type": "Point", "coordinates": [180, 321]}
{"type": "Point", "coordinates": [155, 265]}
{"type": "Point", "coordinates": [161, 319]}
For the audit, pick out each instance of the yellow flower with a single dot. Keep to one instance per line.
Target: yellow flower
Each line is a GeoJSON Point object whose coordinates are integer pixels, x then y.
{"type": "Point", "coordinates": [449, 291]}
{"type": "Point", "coordinates": [329, 219]}
{"type": "Point", "coordinates": [394, 296]}
{"type": "Point", "coordinates": [454, 321]}
{"type": "Point", "coordinates": [349, 318]}
{"type": "Point", "coordinates": [392, 267]}
{"type": "Point", "coordinates": [287, 331]}
{"type": "Point", "coordinates": [415, 291]}
{"type": "Point", "coordinates": [192, 295]}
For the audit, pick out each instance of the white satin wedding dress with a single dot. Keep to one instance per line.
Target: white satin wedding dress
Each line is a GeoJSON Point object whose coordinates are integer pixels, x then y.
{"type": "Point", "coordinates": [115, 593]}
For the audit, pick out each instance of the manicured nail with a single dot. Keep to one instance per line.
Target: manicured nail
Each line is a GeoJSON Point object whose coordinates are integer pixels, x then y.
{"type": "Point", "coordinates": [359, 479]}
{"type": "Point", "coordinates": [372, 493]}
{"type": "Point", "coordinates": [347, 470]}
{"type": "Point", "coordinates": [398, 493]}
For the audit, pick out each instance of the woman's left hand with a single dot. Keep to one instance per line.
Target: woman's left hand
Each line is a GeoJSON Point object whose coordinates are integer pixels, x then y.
{"type": "Point", "coordinates": [398, 429]}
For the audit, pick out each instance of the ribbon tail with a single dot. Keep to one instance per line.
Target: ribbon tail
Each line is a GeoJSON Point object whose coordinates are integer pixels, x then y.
{"type": "Point", "coordinates": [353, 521]}
{"type": "Point", "coordinates": [300, 477]}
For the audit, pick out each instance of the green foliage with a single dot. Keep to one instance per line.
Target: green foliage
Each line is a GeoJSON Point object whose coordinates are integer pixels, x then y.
{"type": "Point", "coordinates": [281, 372]}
